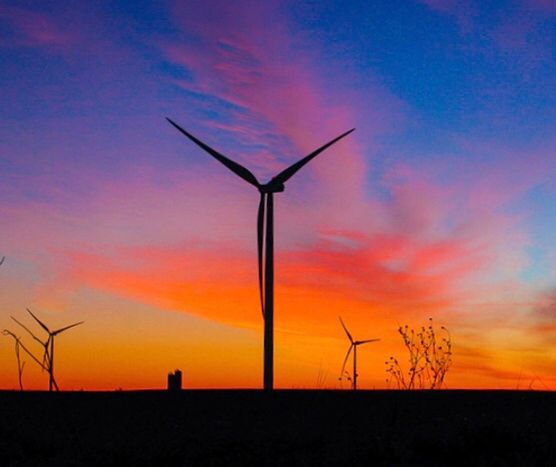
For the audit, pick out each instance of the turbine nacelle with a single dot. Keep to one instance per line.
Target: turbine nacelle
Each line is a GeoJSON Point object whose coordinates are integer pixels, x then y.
{"type": "Point", "coordinates": [274, 186]}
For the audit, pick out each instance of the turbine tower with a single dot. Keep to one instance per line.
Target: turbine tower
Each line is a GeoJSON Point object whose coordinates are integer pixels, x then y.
{"type": "Point", "coordinates": [265, 236]}
{"type": "Point", "coordinates": [353, 346]}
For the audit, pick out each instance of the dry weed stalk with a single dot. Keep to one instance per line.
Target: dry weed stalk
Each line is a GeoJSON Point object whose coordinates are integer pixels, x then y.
{"type": "Point", "coordinates": [20, 366]}
{"type": "Point", "coordinates": [429, 359]}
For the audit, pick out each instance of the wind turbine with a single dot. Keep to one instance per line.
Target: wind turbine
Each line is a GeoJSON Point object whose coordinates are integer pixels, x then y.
{"type": "Point", "coordinates": [353, 346]}
{"type": "Point", "coordinates": [265, 236]}
{"type": "Point", "coordinates": [48, 357]}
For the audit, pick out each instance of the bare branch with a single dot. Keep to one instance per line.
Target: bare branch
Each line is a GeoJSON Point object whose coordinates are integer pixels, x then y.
{"type": "Point", "coordinates": [41, 324]}
{"type": "Point", "coordinates": [7, 332]}
{"type": "Point", "coordinates": [20, 366]}
{"type": "Point", "coordinates": [29, 331]}
{"type": "Point", "coordinates": [429, 359]}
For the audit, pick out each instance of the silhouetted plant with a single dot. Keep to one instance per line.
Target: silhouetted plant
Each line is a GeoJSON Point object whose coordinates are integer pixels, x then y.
{"type": "Point", "coordinates": [347, 376]}
{"type": "Point", "coordinates": [20, 366]}
{"type": "Point", "coordinates": [321, 378]}
{"type": "Point", "coordinates": [430, 358]}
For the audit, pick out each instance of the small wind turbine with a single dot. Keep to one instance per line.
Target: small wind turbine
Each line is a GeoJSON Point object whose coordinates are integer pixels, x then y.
{"type": "Point", "coordinates": [265, 236]}
{"type": "Point", "coordinates": [48, 357]}
{"type": "Point", "coordinates": [353, 346]}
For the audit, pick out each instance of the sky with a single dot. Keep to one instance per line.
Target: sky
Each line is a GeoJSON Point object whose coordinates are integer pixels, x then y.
{"type": "Point", "coordinates": [442, 203]}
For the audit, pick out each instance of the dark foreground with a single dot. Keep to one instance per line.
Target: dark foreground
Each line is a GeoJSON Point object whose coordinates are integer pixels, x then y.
{"type": "Point", "coordinates": [284, 428]}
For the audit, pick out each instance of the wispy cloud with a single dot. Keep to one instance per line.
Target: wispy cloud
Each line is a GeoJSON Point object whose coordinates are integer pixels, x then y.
{"type": "Point", "coordinates": [34, 28]}
{"type": "Point", "coordinates": [462, 10]}
{"type": "Point", "coordinates": [545, 6]}
{"type": "Point", "coordinates": [543, 319]}
{"type": "Point", "coordinates": [519, 31]}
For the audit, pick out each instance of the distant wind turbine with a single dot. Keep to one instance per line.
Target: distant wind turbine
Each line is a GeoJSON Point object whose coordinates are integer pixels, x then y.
{"type": "Point", "coordinates": [48, 357]}
{"type": "Point", "coordinates": [353, 346]}
{"type": "Point", "coordinates": [265, 236]}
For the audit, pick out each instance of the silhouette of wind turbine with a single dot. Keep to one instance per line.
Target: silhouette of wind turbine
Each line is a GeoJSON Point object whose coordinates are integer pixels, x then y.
{"type": "Point", "coordinates": [353, 346]}
{"type": "Point", "coordinates": [265, 236]}
{"type": "Point", "coordinates": [48, 357]}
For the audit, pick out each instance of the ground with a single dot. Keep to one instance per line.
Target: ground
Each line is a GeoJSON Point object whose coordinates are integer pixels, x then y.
{"type": "Point", "coordinates": [283, 428]}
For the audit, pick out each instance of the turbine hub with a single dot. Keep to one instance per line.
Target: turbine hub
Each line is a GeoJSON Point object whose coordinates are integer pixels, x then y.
{"type": "Point", "coordinates": [272, 187]}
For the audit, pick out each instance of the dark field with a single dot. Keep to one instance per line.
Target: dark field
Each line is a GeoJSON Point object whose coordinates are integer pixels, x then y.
{"type": "Point", "coordinates": [287, 427]}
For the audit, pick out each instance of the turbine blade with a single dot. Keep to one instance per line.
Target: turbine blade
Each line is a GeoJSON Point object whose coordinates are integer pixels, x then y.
{"type": "Point", "coordinates": [346, 329]}
{"type": "Point", "coordinates": [366, 341]}
{"type": "Point", "coordinates": [286, 174]}
{"type": "Point", "coordinates": [28, 330]}
{"type": "Point", "coordinates": [233, 166]}
{"type": "Point", "coordinates": [2, 260]}
{"type": "Point", "coordinates": [42, 325]}
{"type": "Point", "coordinates": [58, 331]}
{"type": "Point", "coordinates": [260, 237]}
{"type": "Point", "coordinates": [346, 359]}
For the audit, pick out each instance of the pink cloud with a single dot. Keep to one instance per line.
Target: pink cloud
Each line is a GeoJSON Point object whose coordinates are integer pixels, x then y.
{"type": "Point", "coordinates": [546, 6]}
{"type": "Point", "coordinates": [446, 6]}
{"type": "Point", "coordinates": [514, 33]}
{"type": "Point", "coordinates": [497, 174]}
{"type": "Point", "coordinates": [281, 96]}
{"type": "Point", "coordinates": [439, 239]}
{"type": "Point", "coordinates": [520, 33]}
{"type": "Point", "coordinates": [414, 259]}
{"type": "Point", "coordinates": [543, 319]}
{"type": "Point", "coordinates": [517, 31]}
{"type": "Point", "coordinates": [35, 28]}
{"type": "Point", "coordinates": [282, 105]}
{"type": "Point", "coordinates": [462, 10]}
{"type": "Point", "coordinates": [428, 245]}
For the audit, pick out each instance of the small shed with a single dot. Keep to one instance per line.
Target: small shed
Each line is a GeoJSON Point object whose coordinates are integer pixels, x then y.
{"type": "Point", "coordinates": [174, 381]}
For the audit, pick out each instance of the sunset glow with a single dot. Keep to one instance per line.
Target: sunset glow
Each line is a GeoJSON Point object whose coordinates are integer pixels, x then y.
{"type": "Point", "coordinates": [441, 204]}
